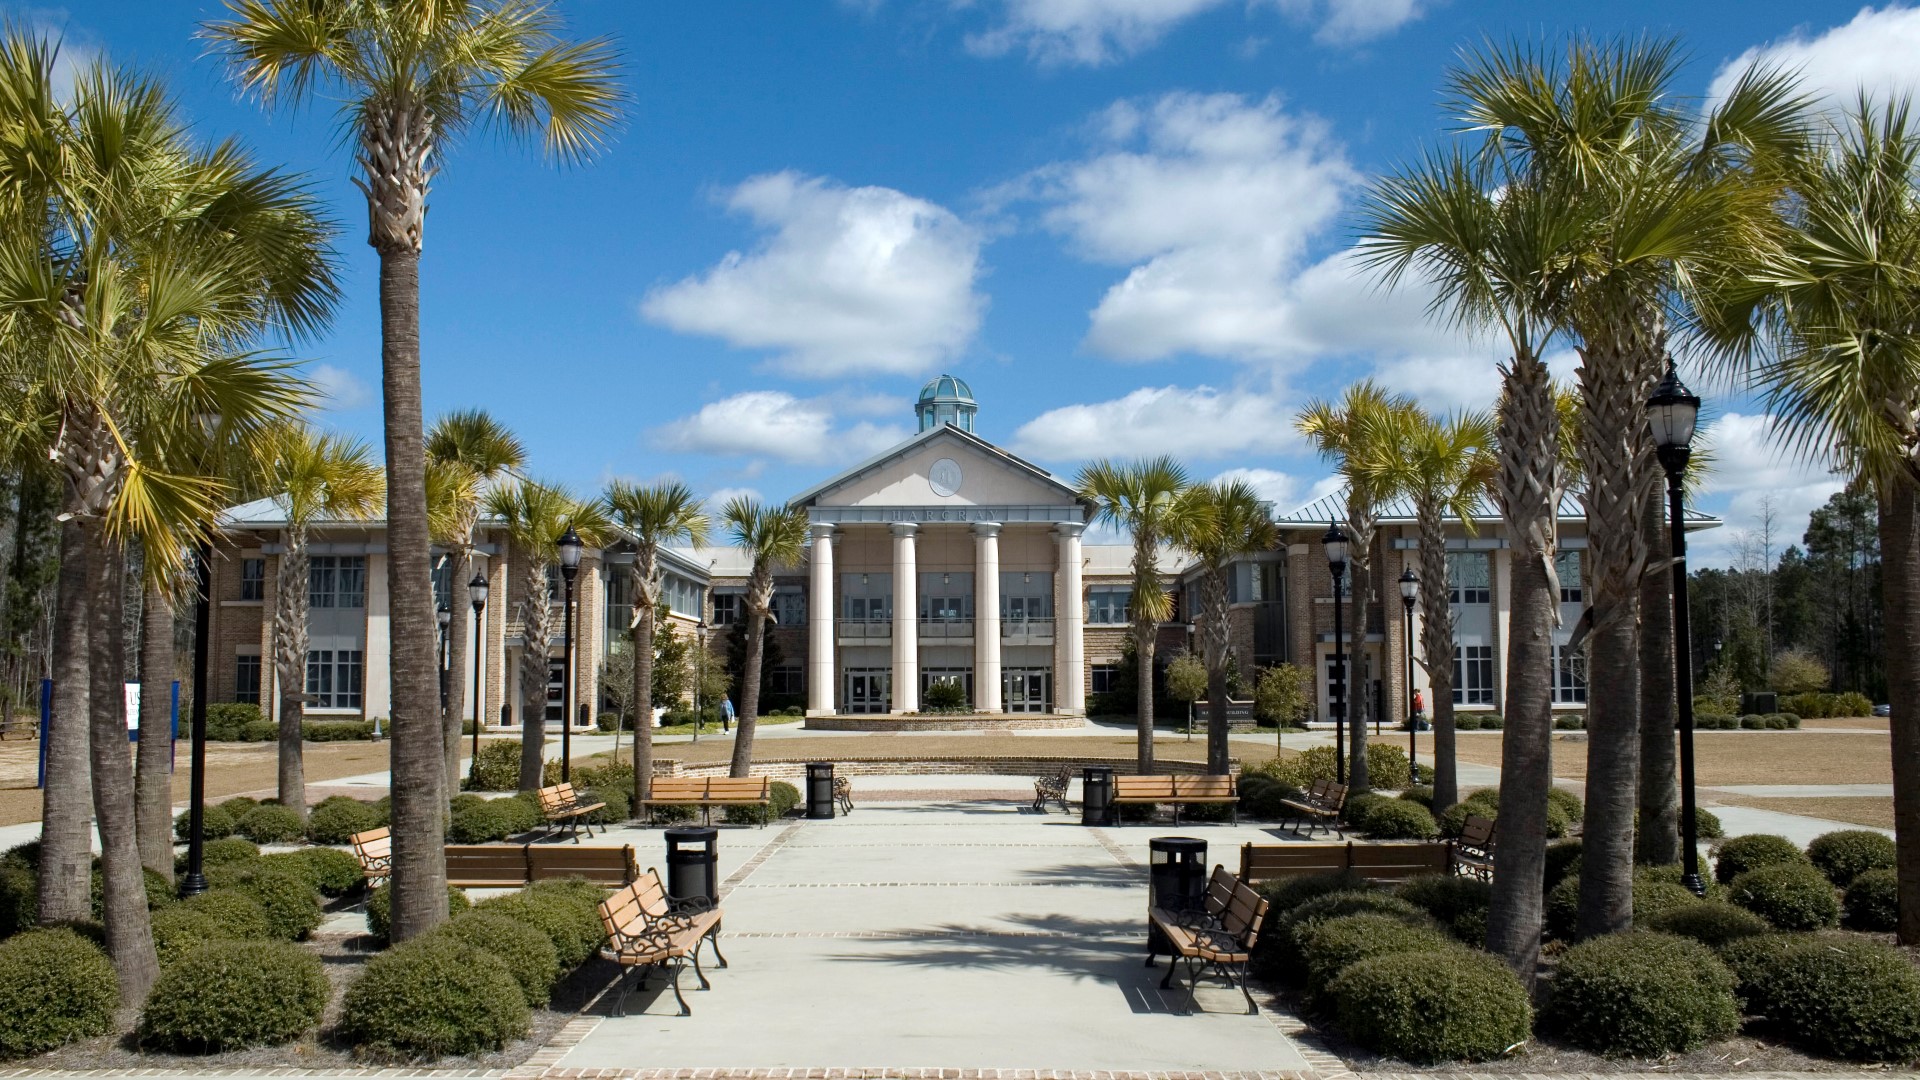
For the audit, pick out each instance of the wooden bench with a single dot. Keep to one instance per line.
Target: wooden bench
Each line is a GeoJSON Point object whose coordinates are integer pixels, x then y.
{"type": "Point", "coordinates": [1220, 941]}
{"type": "Point", "coordinates": [1381, 861]}
{"type": "Point", "coordinates": [564, 806]}
{"type": "Point", "coordinates": [646, 931]}
{"type": "Point", "coordinates": [1318, 806]}
{"type": "Point", "coordinates": [1178, 790]}
{"type": "Point", "coordinates": [509, 866]}
{"type": "Point", "coordinates": [374, 849]}
{"type": "Point", "coordinates": [707, 792]}
{"type": "Point", "coordinates": [1053, 788]}
{"type": "Point", "coordinates": [1473, 849]}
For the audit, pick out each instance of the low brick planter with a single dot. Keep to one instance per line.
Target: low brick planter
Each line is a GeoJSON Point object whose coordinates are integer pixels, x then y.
{"type": "Point", "coordinates": [979, 722]}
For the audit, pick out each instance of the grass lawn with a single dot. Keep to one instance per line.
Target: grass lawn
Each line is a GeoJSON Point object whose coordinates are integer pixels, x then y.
{"type": "Point", "coordinates": [1876, 811]}
{"type": "Point", "coordinates": [1728, 757]}
{"type": "Point", "coordinates": [869, 747]}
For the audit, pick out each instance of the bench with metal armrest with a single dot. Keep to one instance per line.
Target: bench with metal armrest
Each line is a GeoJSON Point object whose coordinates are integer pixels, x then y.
{"type": "Point", "coordinates": [1473, 849]}
{"type": "Point", "coordinates": [374, 849]}
{"type": "Point", "coordinates": [1319, 805]}
{"type": "Point", "coordinates": [647, 931]}
{"type": "Point", "coordinates": [562, 805]}
{"type": "Point", "coordinates": [509, 866]}
{"type": "Point", "coordinates": [707, 792]}
{"type": "Point", "coordinates": [1053, 788]}
{"type": "Point", "coordinates": [1377, 861]}
{"type": "Point", "coordinates": [1177, 790]}
{"type": "Point", "coordinates": [1213, 941]}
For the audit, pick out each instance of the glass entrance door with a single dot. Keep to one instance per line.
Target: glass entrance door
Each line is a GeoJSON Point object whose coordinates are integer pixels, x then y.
{"type": "Point", "coordinates": [864, 690]}
{"type": "Point", "coordinates": [556, 676]}
{"type": "Point", "coordinates": [1027, 690]}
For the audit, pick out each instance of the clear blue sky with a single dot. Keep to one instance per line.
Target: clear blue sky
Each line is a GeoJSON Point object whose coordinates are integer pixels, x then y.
{"type": "Point", "coordinates": [1121, 220]}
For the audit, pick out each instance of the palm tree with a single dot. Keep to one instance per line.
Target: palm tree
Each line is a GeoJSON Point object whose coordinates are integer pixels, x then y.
{"type": "Point", "coordinates": [1235, 523]}
{"type": "Point", "coordinates": [318, 478]}
{"type": "Point", "coordinates": [413, 76]}
{"type": "Point", "coordinates": [1147, 498]}
{"type": "Point", "coordinates": [153, 757]}
{"type": "Point", "coordinates": [535, 516]}
{"type": "Point", "coordinates": [135, 267]}
{"type": "Point", "coordinates": [1490, 253]}
{"type": "Point", "coordinates": [1844, 381]}
{"type": "Point", "coordinates": [481, 451]}
{"type": "Point", "coordinates": [773, 537]}
{"type": "Point", "coordinates": [656, 515]}
{"type": "Point", "coordinates": [1445, 466]}
{"type": "Point", "coordinates": [1359, 429]}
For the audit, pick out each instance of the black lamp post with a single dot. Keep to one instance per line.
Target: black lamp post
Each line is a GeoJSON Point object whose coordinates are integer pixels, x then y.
{"type": "Point", "coordinates": [570, 546]}
{"type": "Point", "coordinates": [699, 675]}
{"type": "Point", "coordinates": [194, 881]}
{"type": "Point", "coordinates": [477, 590]}
{"type": "Point", "coordinates": [444, 616]}
{"type": "Point", "coordinates": [1671, 414]}
{"type": "Point", "coordinates": [1410, 595]}
{"type": "Point", "coordinates": [1335, 543]}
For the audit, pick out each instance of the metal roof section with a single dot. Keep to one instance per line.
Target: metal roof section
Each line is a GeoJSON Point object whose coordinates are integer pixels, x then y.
{"type": "Point", "coordinates": [1400, 511]}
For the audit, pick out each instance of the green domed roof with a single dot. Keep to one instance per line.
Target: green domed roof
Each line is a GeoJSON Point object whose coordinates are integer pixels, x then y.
{"type": "Point", "coordinates": [946, 388]}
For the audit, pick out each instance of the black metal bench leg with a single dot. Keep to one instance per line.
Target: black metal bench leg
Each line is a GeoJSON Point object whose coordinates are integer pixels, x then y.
{"type": "Point", "coordinates": [699, 974]}
{"type": "Point", "coordinates": [678, 967]}
{"type": "Point", "coordinates": [1173, 967]}
{"type": "Point", "coordinates": [713, 938]}
{"type": "Point", "coordinates": [1253, 1007]}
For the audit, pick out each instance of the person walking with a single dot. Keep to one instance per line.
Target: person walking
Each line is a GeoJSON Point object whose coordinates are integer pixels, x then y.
{"type": "Point", "coordinates": [726, 714]}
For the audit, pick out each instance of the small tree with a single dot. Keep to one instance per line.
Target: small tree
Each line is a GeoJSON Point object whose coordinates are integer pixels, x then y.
{"type": "Point", "coordinates": [1797, 671]}
{"type": "Point", "coordinates": [616, 685]}
{"type": "Point", "coordinates": [1186, 681]}
{"type": "Point", "coordinates": [1283, 695]}
{"type": "Point", "coordinates": [672, 664]}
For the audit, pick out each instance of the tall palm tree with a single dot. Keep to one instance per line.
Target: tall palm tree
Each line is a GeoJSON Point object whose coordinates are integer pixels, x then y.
{"type": "Point", "coordinates": [1359, 428]}
{"type": "Point", "coordinates": [1844, 382]}
{"type": "Point", "coordinates": [1445, 466]}
{"type": "Point", "coordinates": [412, 76]}
{"type": "Point", "coordinates": [1235, 523]}
{"type": "Point", "coordinates": [773, 537]}
{"type": "Point", "coordinates": [1148, 499]}
{"type": "Point", "coordinates": [1669, 202]}
{"type": "Point", "coordinates": [135, 266]}
{"type": "Point", "coordinates": [534, 516]}
{"type": "Point", "coordinates": [1491, 252]}
{"type": "Point", "coordinates": [153, 757]}
{"type": "Point", "coordinates": [656, 515]}
{"type": "Point", "coordinates": [316, 478]}
{"type": "Point", "coordinates": [473, 443]}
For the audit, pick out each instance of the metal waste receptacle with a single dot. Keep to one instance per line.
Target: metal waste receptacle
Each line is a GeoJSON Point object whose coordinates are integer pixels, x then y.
{"type": "Point", "coordinates": [1176, 881]}
{"type": "Point", "coordinates": [820, 790]}
{"type": "Point", "coordinates": [1096, 795]}
{"type": "Point", "coordinates": [693, 864]}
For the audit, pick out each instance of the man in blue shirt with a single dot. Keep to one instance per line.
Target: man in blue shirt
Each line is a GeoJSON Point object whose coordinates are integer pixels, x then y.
{"type": "Point", "coordinates": [726, 714]}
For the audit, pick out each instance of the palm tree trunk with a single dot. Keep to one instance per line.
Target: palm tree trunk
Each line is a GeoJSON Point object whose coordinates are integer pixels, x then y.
{"type": "Point", "coordinates": [459, 629]}
{"type": "Point", "coordinates": [418, 762]}
{"type": "Point", "coordinates": [1217, 650]}
{"type": "Point", "coordinates": [1359, 688]}
{"type": "Point", "coordinates": [123, 888]}
{"type": "Point", "coordinates": [1143, 632]}
{"type": "Point", "coordinates": [290, 666]}
{"type": "Point", "coordinates": [536, 630]}
{"type": "Point", "coordinates": [153, 760]}
{"type": "Point", "coordinates": [749, 719]}
{"type": "Point", "coordinates": [1217, 747]}
{"type": "Point", "coordinates": [1530, 495]}
{"type": "Point", "coordinates": [1436, 642]}
{"type": "Point", "coordinates": [1657, 839]}
{"type": "Point", "coordinates": [1900, 589]}
{"type": "Point", "coordinates": [66, 816]}
{"type": "Point", "coordinates": [642, 638]}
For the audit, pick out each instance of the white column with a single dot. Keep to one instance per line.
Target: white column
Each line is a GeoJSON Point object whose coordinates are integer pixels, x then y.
{"type": "Point", "coordinates": [1070, 666]}
{"type": "Point", "coordinates": [906, 621]}
{"type": "Point", "coordinates": [986, 616]}
{"type": "Point", "coordinates": [820, 612]}
{"type": "Point", "coordinates": [376, 662]}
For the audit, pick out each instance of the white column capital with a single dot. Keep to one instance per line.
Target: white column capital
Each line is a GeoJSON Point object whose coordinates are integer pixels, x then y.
{"type": "Point", "coordinates": [903, 528]}
{"type": "Point", "coordinates": [1070, 530]}
{"type": "Point", "coordinates": [821, 530]}
{"type": "Point", "coordinates": [986, 528]}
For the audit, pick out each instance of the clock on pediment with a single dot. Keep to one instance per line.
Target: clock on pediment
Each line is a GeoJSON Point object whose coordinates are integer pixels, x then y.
{"type": "Point", "coordinates": [945, 477]}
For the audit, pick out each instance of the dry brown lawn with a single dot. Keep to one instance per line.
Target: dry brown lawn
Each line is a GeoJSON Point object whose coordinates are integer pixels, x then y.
{"type": "Point", "coordinates": [871, 747]}
{"type": "Point", "coordinates": [1729, 757]}
{"type": "Point", "coordinates": [1855, 723]}
{"type": "Point", "coordinates": [1873, 810]}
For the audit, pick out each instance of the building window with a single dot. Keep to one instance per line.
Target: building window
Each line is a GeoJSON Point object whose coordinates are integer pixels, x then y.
{"type": "Point", "coordinates": [253, 579]}
{"type": "Point", "coordinates": [553, 583]}
{"type": "Point", "coordinates": [789, 677]}
{"type": "Point", "coordinates": [333, 678]}
{"type": "Point", "coordinates": [1468, 580]}
{"type": "Point", "coordinates": [789, 606]}
{"type": "Point", "coordinates": [1104, 677]}
{"type": "Point", "coordinates": [246, 678]}
{"type": "Point", "coordinates": [1569, 675]}
{"type": "Point", "coordinates": [337, 581]}
{"type": "Point", "coordinates": [1566, 567]}
{"type": "Point", "coordinates": [1473, 675]}
{"type": "Point", "coordinates": [728, 608]}
{"type": "Point", "coordinates": [1110, 605]}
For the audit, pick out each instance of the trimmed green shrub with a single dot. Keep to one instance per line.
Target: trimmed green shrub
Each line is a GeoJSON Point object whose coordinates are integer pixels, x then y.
{"type": "Point", "coordinates": [272, 825]}
{"type": "Point", "coordinates": [1653, 892]}
{"type": "Point", "coordinates": [380, 909]}
{"type": "Point", "coordinates": [1873, 901]}
{"type": "Point", "coordinates": [227, 720]}
{"type": "Point", "coordinates": [1262, 798]}
{"type": "Point", "coordinates": [1286, 894]}
{"type": "Point", "coordinates": [1419, 793]}
{"type": "Point", "coordinates": [1330, 945]}
{"type": "Point", "coordinates": [1652, 896]}
{"type": "Point", "coordinates": [568, 912]}
{"type": "Point", "coordinates": [1839, 994]}
{"type": "Point", "coordinates": [430, 997]}
{"type": "Point", "coordinates": [1429, 1008]}
{"type": "Point", "coordinates": [228, 850]}
{"type": "Point", "coordinates": [216, 823]}
{"type": "Point", "coordinates": [476, 820]}
{"type": "Point", "coordinates": [226, 995]}
{"type": "Point", "coordinates": [1280, 960]}
{"type": "Point", "coordinates": [19, 899]}
{"type": "Point", "coordinates": [1640, 994]}
{"type": "Point", "coordinates": [1458, 903]}
{"type": "Point", "coordinates": [55, 987]}
{"type": "Point", "coordinates": [1466, 721]}
{"type": "Point", "coordinates": [217, 915]}
{"type": "Point", "coordinates": [1396, 819]}
{"type": "Point", "coordinates": [522, 812]}
{"type": "Point", "coordinates": [496, 767]}
{"type": "Point", "coordinates": [240, 805]}
{"type": "Point", "coordinates": [291, 903]}
{"type": "Point", "coordinates": [1486, 803]}
{"type": "Point", "coordinates": [336, 818]}
{"type": "Point", "coordinates": [526, 952]}
{"type": "Point", "coordinates": [784, 798]}
{"type": "Point", "coordinates": [1492, 721]}
{"type": "Point", "coordinates": [1357, 807]}
{"type": "Point", "coordinates": [1570, 721]}
{"type": "Point", "coordinates": [335, 873]}
{"type": "Point", "coordinates": [1567, 802]}
{"type": "Point", "coordinates": [1563, 858]}
{"type": "Point", "coordinates": [1737, 855]}
{"type": "Point", "coordinates": [1791, 896]}
{"type": "Point", "coordinates": [1706, 824]}
{"type": "Point", "coordinates": [1752, 722]}
{"type": "Point", "coordinates": [336, 730]}
{"type": "Point", "coordinates": [294, 864]}
{"type": "Point", "coordinates": [1847, 853]}
{"type": "Point", "coordinates": [1711, 923]}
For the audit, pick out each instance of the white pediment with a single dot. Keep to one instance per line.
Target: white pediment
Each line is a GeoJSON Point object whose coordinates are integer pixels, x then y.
{"type": "Point", "coordinates": [943, 468]}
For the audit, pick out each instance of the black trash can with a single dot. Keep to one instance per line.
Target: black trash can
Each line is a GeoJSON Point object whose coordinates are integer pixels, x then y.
{"type": "Point", "coordinates": [693, 864]}
{"type": "Point", "coordinates": [820, 790]}
{"type": "Point", "coordinates": [1096, 795]}
{"type": "Point", "coordinates": [1176, 882]}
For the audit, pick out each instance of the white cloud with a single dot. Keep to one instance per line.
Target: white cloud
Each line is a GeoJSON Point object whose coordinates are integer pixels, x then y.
{"type": "Point", "coordinates": [1193, 423]}
{"type": "Point", "coordinates": [1278, 488]}
{"type": "Point", "coordinates": [1875, 51]}
{"type": "Point", "coordinates": [1086, 32]}
{"type": "Point", "coordinates": [339, 388]}
{"type": "Point", "coordinates": [719, 499]}
{"type": "Point", "coordinates": [775, 424]}
{"type": "Point", "coordinates": [1349, 22]}
{"type": "Point", "coordinates": [849, 280]}
{"type": "Point", "coordinates": [1749, 466]}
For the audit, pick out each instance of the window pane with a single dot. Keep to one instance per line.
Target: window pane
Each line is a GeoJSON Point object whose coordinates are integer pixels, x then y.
{"type": "Point", "coordinates": [320, 578]}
